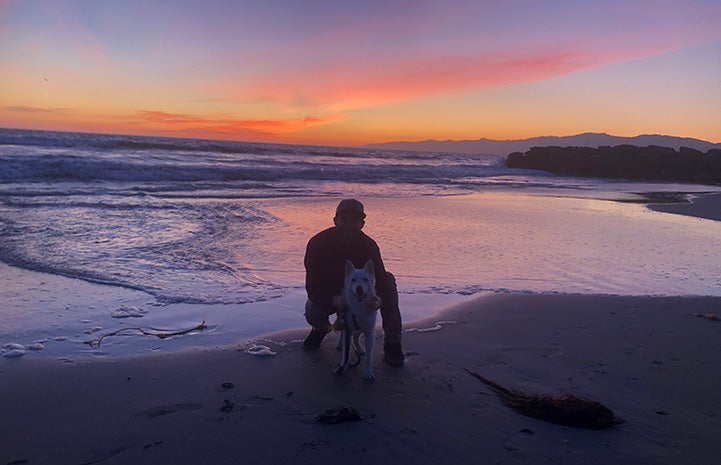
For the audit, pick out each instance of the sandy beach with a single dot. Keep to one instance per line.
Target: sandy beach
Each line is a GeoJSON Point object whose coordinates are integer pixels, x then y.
{"type": "Point", "coordinates": [652, 360]}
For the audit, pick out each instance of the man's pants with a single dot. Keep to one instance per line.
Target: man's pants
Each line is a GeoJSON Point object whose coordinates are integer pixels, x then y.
{"type": "Point", "coordinates": [317, 317]}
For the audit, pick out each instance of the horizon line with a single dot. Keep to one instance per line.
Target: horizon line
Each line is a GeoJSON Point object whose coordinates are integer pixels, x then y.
{"type": "Point", "coordinates": [160, 136]}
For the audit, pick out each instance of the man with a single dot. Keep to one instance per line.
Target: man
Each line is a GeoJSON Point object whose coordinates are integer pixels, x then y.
{"type": "Point", "coordinates": [325, 258]}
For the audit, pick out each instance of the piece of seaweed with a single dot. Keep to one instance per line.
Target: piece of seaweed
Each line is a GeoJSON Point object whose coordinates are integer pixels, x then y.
{"type": "Point", "coordinates": [567, 410]}
{"type": "Point", "coordinates": [159, 333]}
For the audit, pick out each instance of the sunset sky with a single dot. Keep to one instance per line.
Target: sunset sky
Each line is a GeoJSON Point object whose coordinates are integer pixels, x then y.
{"type": "Point", "coordinates": [348, 73]}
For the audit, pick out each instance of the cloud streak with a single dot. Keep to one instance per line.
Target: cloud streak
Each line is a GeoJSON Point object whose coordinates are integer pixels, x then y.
{"type": "Point", "coordinates": [31, 110]}
{"type": "Point", "coordinates": [349, 86]}
{"type": "Point", "coordinates": [432, 52]}
{"type": "Point", "coordinates": [232, 126]}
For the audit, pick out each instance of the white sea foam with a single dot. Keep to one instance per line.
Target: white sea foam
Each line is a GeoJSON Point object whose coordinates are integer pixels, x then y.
{"type": "Point", "coordinates": [128, 312]}
{"type": "Point", "coordinates": [436, 327]}
{"type": "Point", "coordinates": [260, 351]}
{"type": "Point", "coordinates": [13, 346]}
{"type": "Point", "coordinates": [14, 353]}
{"type": "Point", "coordinates": [13, 350]}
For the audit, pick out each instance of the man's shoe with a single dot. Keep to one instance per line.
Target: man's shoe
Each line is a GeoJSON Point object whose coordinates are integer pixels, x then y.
{"type": "Point", "coordinates": [393, 354]}
{"type": "Point", "coordinates": [312, 342]}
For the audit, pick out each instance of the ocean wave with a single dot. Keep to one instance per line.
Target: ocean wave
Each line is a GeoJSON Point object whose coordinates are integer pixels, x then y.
{"type": "Point", "coordinates": [126, 143]}
{"type": "Point", "coordinates": [186, 251]}
{"type": "Point", "coordinates": [71, 167]}
{"type": "Point", "coordinates": [172, 217]}
{"type": "Point", "coordinates": [22, 137]}
{"type": "Point", "coordinates": [201, 168]}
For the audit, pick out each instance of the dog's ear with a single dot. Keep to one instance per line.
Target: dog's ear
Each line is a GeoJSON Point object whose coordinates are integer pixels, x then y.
{"type": "Point", "coordinates": [369, 267]}
{"type": "Point", "coordinates": [349, 267]}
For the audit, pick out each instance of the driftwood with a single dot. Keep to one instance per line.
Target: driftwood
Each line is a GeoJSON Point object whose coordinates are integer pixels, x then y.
{"type": "Point", "coordinates": [159, 333]}
{"type": "Point", "coordinates": [567, 410]}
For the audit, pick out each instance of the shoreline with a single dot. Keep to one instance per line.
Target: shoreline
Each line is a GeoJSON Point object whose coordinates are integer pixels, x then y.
{"type": "Point", "coordinates": [63, 313]}
{"type": "Point", "coordinates": [649, 359]}
{"type": "Point", "coordinates": [70, 318]}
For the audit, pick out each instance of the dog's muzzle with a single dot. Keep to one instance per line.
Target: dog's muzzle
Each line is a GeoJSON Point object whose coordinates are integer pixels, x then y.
{"type": "Point", "coordinates": [359, 294]}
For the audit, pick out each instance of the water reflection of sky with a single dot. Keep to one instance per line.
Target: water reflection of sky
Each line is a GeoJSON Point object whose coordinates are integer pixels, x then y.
{"type": "Point", "coordinates": [504, 241]}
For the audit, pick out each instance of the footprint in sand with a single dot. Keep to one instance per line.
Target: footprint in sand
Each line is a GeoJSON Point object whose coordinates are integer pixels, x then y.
{"type": "Point", "coordinates": [516, 441]}
{"type": "Point", "coordinates": [166, 410]}
{"type": "Point", "coordinates": [101, 455]}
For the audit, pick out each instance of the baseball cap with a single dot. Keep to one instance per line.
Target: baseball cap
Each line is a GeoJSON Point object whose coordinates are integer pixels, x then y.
{"type": "Point", "coordinates": [350, 206]}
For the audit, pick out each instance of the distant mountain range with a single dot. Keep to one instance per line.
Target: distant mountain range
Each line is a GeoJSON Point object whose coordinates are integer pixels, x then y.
{"type": "Point", "coordinates": [505, 147]}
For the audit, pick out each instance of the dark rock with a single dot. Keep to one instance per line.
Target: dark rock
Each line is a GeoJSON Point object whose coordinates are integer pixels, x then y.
{"type": "Point", "coordinates": [624, 161]}
{"type": "Point", "coordinates": [338, 415]}
{"type": "Point", "coordinates": [227, 406]}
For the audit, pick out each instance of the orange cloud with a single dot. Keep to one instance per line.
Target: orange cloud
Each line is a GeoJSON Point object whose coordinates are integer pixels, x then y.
{"type": "Point", "coordinates": [159, 122]}
{"type": "Point", "coordinates": [231, 126]}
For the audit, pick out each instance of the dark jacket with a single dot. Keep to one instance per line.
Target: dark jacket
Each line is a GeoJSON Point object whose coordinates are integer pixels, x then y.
{"type": "Point", "coordinates": [325, 258]}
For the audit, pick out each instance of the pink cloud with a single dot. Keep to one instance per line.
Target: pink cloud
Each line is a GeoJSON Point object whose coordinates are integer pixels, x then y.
{"type": "Point", "coordinates": [347, 86]}
{"type": "Point", "coordinates": [401, 57]}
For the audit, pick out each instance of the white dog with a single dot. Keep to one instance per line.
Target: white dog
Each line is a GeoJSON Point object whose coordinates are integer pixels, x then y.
{"type": "Point", "coordinates": [360, 304]}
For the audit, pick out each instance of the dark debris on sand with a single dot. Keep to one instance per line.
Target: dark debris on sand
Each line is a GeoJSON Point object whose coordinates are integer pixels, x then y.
{"type": "Point", "coordinates": [338, 415]}
{"type": "Point", "coordinates": [567, 410]}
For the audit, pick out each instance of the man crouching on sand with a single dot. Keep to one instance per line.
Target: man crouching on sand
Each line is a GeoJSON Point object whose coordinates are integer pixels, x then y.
{"type": "Point", "coordinates": [325, 258]}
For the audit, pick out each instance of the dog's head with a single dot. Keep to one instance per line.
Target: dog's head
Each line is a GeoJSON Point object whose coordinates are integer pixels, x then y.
{"type": "Point", "coordinates": [359, 282]}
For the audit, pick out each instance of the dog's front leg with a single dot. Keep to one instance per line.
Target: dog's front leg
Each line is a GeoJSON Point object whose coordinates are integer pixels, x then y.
{"type": "Point", "coordinates": [369, 334]}
{"type": "Point", "coordinates": [369, 340]}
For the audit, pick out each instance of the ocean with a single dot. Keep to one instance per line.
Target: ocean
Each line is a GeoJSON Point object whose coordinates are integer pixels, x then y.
{"type": "Point", "coordinates": [219, 223]}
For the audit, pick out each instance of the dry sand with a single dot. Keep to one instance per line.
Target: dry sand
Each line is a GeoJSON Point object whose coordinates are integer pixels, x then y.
{"type": "Point", "coordinates": [649, 359]}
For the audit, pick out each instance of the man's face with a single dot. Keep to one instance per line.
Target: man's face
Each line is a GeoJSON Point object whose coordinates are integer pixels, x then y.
{"type": "Point", "coordinates": [349, 226]}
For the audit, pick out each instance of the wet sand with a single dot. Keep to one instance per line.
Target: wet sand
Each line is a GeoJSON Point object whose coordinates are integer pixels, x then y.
{"type": "Point", "coordinates": [703, 206]}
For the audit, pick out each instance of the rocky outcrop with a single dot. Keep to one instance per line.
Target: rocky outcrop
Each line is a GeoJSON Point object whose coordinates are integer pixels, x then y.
{"type": "Point", "coordinates": [501, 147]}
{"type": "Point", "coordinates": [686, 165]}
